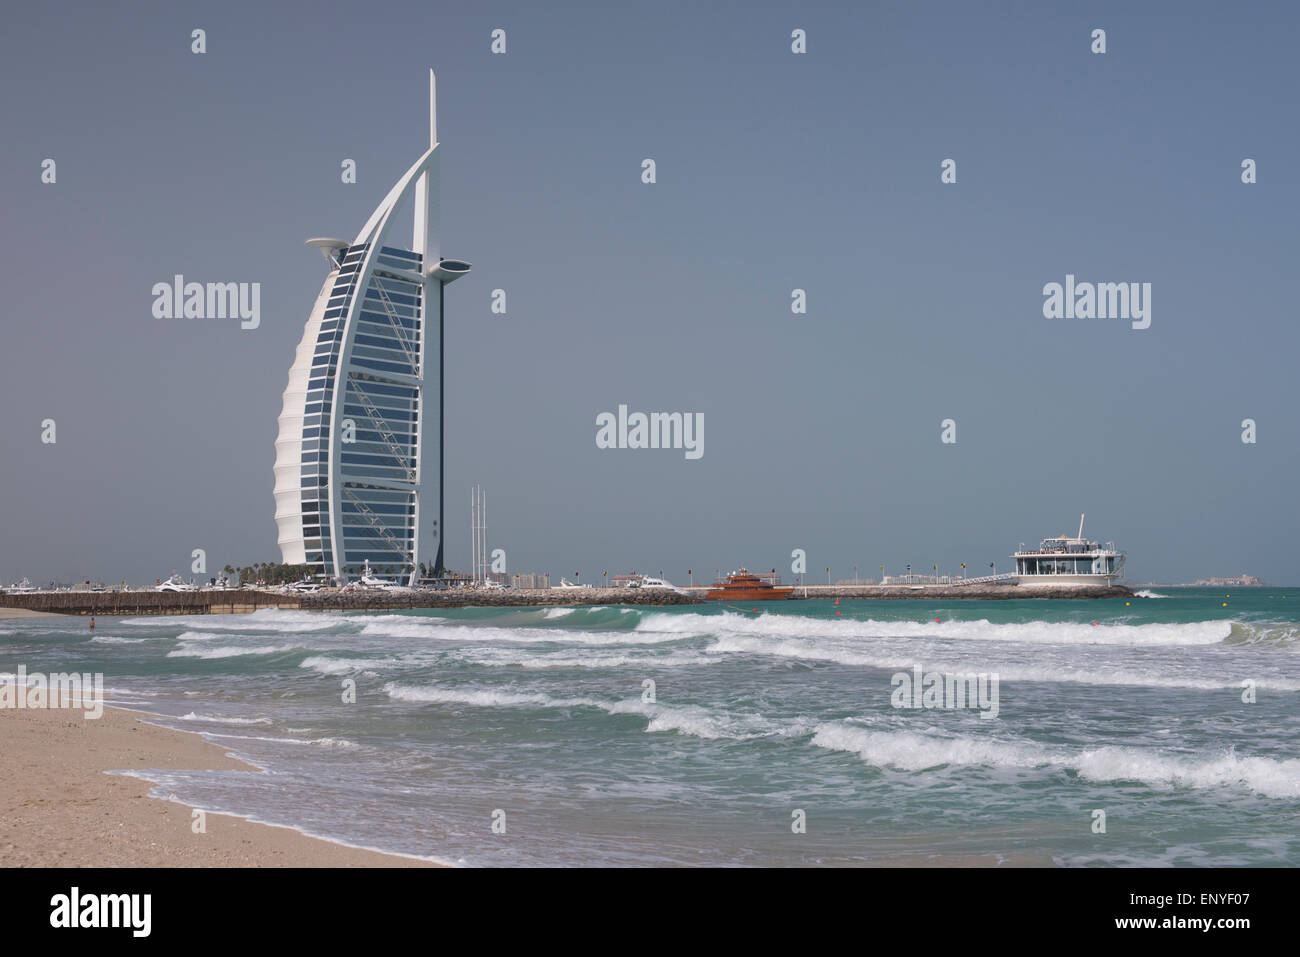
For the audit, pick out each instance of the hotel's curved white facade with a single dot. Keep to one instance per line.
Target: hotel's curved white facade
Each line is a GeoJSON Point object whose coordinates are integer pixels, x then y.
{"type": "Point", "coordinates": [358, 458]}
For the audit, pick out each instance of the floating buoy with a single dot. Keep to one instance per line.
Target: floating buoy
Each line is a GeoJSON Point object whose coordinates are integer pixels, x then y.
{"type": "Point", "coordinates": [936, 621]}
{"type": "Point", "coordinates": [837, 613]}
{"type": "Point", "coordinates": [1225, 604]}
{"type": "Point", "coordinates": [755, 609]}
{"type": "Point", "coordinates": [1127, 603]}
{"type": "Point", "coordinates": [1094, 624]}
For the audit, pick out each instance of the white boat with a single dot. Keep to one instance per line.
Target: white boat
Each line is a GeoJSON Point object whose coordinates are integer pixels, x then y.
{"type": "Point", "coordinates": [305, 584]}
{"type": "Point", "coordinates": [24, 587]}
{"type": "Point", "coordinates": [565, 583]}
{"type": "Point", "coordinates": [1069, 561]}
{"type": "Point", "coordinates": [649, 581]}
{"type": "Point", "coordinates": [176, 583]}
{"type": "Point", "coordinates": [371, 582]}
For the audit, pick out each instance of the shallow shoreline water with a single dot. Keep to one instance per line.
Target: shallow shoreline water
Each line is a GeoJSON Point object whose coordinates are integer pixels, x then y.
{"type": "Point", "coordinates": [73, 790]}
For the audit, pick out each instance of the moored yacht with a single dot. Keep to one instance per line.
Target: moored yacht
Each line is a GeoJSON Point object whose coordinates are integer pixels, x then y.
{"type": "Point", "coordinates": [175, 583]}
{"type": "Point", "coordinates": [24, 587]}
{"type": "Point", "coordinates": [649, 581]}
{"type": "Point", "coordinates": [305, 584]}
{"type": "Point", "coordinates": [371, 582]}
{"type": "Point", "coordinates": [1069, 561]}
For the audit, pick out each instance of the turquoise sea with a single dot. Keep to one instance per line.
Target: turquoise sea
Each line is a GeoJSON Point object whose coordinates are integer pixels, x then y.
{"type": "Point", "coordinates": [702, 735]}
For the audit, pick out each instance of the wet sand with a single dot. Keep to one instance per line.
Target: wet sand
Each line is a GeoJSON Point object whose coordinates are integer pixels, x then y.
{"type": "Point", "coordinates": [25, 613]}
{"type": "Point", "coordinates": [59, 809]}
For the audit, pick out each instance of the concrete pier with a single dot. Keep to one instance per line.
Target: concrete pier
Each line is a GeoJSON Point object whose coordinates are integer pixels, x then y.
{"type": "Point", "coordinates": [985, 592]}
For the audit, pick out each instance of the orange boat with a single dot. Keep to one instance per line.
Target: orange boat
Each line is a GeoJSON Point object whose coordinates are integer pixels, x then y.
{"type": "Point", "coordinates": [742, 586]}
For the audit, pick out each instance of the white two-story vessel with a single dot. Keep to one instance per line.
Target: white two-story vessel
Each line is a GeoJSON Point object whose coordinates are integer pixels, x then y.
{"type": "Point", "coordinates": [1069, 561]}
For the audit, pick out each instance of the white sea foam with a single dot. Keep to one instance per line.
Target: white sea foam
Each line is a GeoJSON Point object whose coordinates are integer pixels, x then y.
{"type": "Point", "coordinates": [343, 666]}
{"type": "Point", "coordinates": [277, 619]}
{"type": "Point", "coordinates": [1147, 593]}
{"type": "Point", "coordinates": [487, 698]}
{"type": "Point", "coordinates": [897, 660]}
{"type": "Point", "coordinates": [1267, 776]}
{"type": "Point", "coordinates": [910, 751]}
{"type": "Point", "coordinates": [557, 612]}
{"type": "Point", "coordinates": [115, 640]}
{"type": "Point", "coordinates": [596, 658]}
{"type": "Point", "coordinates": [692, 720]}
{"type": "Point", "coordinates": [228, 651]}
{"type": "Point", "coordinates": [413, 628]}
{"type": "Point", "coordinates": [380, 620]}
{"type": "Point", "coordinates": [201, 636]}
{"type": "Point", "coordinates": [264, 619]}
{"type": "Point", "coordinates": [341, 743]}
{"type": "Point", "coordinates": [1033, 632]}
{"type": "Point", "coordinates": [222, 719]}
{"type": "Point", "coordinates": [1265, 632]}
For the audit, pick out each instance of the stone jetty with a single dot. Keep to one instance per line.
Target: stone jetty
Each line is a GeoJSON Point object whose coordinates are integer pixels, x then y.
{"type": "Point", "coordinates": [239, 601]}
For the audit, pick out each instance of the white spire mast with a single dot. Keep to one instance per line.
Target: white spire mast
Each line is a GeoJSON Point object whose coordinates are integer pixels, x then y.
{"type": "Point", "coordinates": [425, 238]}
{"type": "Point", "coordinates": [433, 109]}
{"type": "Point", "coordinates": [1081, 514]}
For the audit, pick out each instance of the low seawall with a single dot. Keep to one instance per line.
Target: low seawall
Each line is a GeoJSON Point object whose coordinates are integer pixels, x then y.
{"type": "Point", "coordinates": [128, 603]}
{"type": "Point", "coordinates": [947, 592]}
{"type": "Point", "coordinates": [234, 602]}
{"type": "Point", "coordinates": [505, 597]}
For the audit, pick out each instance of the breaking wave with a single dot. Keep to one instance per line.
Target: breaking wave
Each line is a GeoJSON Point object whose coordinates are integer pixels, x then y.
{"type": "Point", "coordinates": [222, 719]}
{"type": "Point", "coordinates": [1078, 674]}
{"type": "Point", "coordinates": [229, 651]}
{"type": "Point", "coordinates": [916, 752]}
{"type": "Point", "coordinates": [1032, 632]}
{"type": "Point", "coordinates": [692, 720]}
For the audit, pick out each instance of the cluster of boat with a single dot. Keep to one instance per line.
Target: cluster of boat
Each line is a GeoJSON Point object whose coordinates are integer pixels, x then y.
{"type": "Point", "coordinates": [634, 581]}
{"type": "Point", "coordinates": [177, 583]}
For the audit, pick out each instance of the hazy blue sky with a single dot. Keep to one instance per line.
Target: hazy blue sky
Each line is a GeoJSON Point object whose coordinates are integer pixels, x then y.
{"type": "Point", "coordinates": [775, 171]}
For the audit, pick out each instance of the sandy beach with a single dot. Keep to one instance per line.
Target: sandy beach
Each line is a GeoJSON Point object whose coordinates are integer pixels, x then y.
{"type": "Point", "coordinates": [25, 613]}
{"type": "Point", "coordinates": [59, 809]}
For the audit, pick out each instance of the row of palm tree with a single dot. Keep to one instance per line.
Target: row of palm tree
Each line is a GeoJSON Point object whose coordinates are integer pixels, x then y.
{"type": "Point", "coordinates": [279, 573]}
{"type": "Point", "coordinates": [271, 573]}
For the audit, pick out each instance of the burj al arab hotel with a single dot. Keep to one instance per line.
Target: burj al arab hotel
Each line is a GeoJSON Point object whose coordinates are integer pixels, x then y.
{"type": "Point", "coordinates": [358, 459]}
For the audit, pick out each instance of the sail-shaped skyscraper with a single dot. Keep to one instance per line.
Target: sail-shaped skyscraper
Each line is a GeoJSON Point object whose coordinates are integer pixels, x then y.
{"type": "Point", "coordinates": [358, 459]}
